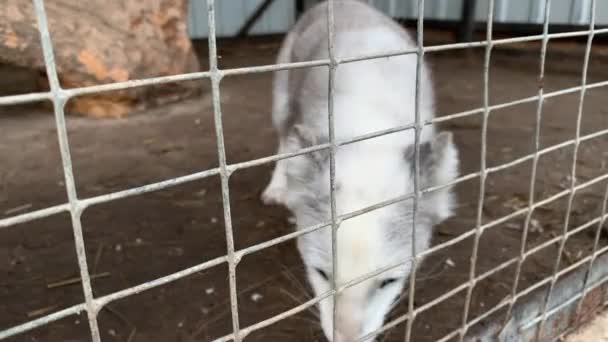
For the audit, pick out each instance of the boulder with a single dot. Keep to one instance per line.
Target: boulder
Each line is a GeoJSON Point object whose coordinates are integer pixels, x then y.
{"type": "Point", "coordinates": [105, 41]}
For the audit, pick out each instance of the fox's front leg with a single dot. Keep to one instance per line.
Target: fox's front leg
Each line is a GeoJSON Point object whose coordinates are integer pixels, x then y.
{"type": "Point", "coordinates": [276, 190]}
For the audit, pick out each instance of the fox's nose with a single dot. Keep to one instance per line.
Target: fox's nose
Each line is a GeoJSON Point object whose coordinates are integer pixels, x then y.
{"type": "Point", "coordinates": [349, 330]}
{"type": "Point", "coordinates": [345, 338]}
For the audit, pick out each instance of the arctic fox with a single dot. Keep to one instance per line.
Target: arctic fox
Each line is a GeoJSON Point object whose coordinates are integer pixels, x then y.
{"type": "Point", "coordinates": [370, 96]}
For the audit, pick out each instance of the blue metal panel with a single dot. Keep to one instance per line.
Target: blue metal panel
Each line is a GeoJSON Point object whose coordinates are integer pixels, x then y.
{"type": "Point", "coordinates": [232, 14]}
{"type": "Point", "coordinates": [520, 11]}
{"type": "Point", "coordinates": [454, 9]}
{"type": "Point", "coordinates": [601, 12]}
{"type": "Point", "coordinates": [561, 11]}
{"type": "Point", "coordinates": [575, 12]}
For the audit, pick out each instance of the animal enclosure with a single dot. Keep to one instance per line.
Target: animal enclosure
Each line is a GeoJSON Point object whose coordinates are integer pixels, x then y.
{"type": "Point", "coordinates": [162, 236]}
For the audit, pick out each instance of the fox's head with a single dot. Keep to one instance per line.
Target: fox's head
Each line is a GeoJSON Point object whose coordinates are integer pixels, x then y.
{"type": "Point", "coordinates": [373, 241]}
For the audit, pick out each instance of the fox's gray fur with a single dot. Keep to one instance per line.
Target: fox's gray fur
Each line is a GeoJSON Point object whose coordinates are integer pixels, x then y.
{"type": "Point", "coordinates": [370, 96]}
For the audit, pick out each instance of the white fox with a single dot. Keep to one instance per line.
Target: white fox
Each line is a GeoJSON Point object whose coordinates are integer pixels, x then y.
{"type": "Point", "coordinates": [370, 96]}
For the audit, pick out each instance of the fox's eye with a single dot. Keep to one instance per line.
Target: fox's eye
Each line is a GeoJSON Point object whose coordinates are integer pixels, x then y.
{"type": "Point", "coordinates": [387, 282]}
{"type": "Point", "coordinates": [322, 273]}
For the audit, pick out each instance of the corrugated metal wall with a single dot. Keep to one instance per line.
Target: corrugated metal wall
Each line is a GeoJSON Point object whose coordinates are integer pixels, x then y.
{"type": "Point", "coordinates": [231, 14]}
{"type": "Point", "coordinates": [575, 12]}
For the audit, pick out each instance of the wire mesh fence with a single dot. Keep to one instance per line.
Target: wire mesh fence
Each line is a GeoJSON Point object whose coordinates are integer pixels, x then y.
{"type": "Point", "coordinates": [76, 206]}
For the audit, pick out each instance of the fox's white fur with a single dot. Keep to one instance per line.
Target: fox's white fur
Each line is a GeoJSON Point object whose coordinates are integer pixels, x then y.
{"type": "Point", "coordinates": [370, 96]}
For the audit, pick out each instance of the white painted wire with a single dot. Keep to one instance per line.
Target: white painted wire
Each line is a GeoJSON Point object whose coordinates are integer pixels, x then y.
{"type": "Point", "coordinates": [216, 78]}
{"type": "Point", "coordinates": [573, 174]}
{"type": "Point", "coordinates": [537, 127]}
{"type": "Point", "coordinates": [418, 126]}
{"type": "Point", "coordinates": [483, 174]}
{"type": "Point", "coordinates": [76, 206]}
{"type": "Point", "coordinates": [333, 65]}
{"type": "Point", "coordinates": [59, 101]}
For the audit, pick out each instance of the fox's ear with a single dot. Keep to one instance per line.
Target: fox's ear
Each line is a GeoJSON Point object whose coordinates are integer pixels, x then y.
{"type": "Point", "coordinates": [438, 166]}
{"type": "Point", "coordinates": [304, 138]}
{"type": "Point", "coordinates": [438, 160]}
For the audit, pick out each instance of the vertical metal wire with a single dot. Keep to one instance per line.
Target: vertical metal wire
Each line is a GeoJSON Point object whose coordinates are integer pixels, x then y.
{"type": "Point", "coordinates": [539, 12]}
{"type": "Point", "coordinates": [577, 142]}
{"type": "Point", "coordinates": [333, 65]}
{"type": "Point", "coordinates": [76, 206]}
{"type": "Point", "coordinates": [417, 193]}
{"type": "Point", "coordinates": [216, 78]}
{"type": "Point", "coordinates": [594, 255]}
{"type": "Point", "coordinates": [531, 194]}
{"type": "Point", "coordinates": [482, 170]}
{"type": "Point", "coordinates": [59, 101]}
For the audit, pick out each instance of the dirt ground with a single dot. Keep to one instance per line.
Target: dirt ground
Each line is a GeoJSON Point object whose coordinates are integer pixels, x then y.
{"type": "Point", "coordinates": [597, 330]}
{"type": "Point", "coordinates": [138, 239]}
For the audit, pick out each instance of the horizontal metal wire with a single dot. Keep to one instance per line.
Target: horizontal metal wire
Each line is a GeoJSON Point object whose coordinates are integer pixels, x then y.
{"type": "Point", "coordinates": [434, 302]}
{"type": "Point", "coordinates": [68, 174]}
{"type": "Point", "coordinates": [485, 275]}
{"type": "Point", "coordinates": [76, 206]}
{"type": "Point", "coordinates": [239, 254]}
{"type": "Point", "coordinates": [255, 248]}
{"type": "Point", "coordinates": [442, 298]}
{"type": "Point", "coordinates": [85, 203]}
{"type": "Point", "coordinates": [529, 290]}
{"type": "Point", "coordinates": [571, 300]}
{"type": "Point", "coordinates": [34, 215]}
{"type": "Point", "coordinates": [573, 168]}
{"type": "Point", "coordinates": [12, 100]}
{"type": "Point", "coordinates": [44, 320]}
{"type": "Point", "coordinates": [102, 301]}
{"type": "Point", "coordinates": [96, 89]}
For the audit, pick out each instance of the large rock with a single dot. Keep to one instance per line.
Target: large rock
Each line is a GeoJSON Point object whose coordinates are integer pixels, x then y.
{"type": "Point", "coordinates": [104, 41]}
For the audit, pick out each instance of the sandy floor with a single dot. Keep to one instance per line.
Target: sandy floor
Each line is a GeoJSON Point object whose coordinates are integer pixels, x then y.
{"type": "Point", "coordinates": [138, 239]}
{"type": "Point", "coordinates": [597, 330]}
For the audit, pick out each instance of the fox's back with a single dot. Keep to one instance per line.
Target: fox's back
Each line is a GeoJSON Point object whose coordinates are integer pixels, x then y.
{"type": "Point", "coordinates": [370, 95]}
